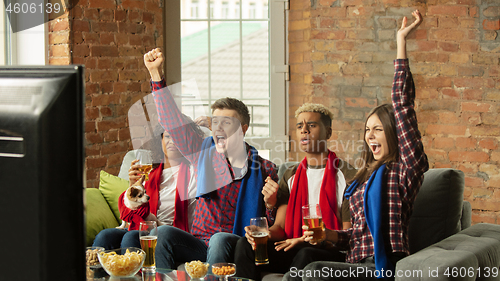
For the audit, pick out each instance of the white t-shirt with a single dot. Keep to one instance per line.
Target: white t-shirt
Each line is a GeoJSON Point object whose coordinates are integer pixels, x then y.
{"type": "Point", "coordinates": [314, 180]}
{"type": "Point", "coordinates": [166, 202]}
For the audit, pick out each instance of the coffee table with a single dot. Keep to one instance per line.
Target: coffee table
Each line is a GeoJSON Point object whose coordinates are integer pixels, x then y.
{"type": "Point", "coordinates": [161, 274]}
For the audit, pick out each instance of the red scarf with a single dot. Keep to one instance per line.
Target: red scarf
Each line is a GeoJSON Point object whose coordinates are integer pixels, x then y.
{"type": "Point", "coordinates": [181, 217]}
{"type": "Point", "coordinates": [299, 197]}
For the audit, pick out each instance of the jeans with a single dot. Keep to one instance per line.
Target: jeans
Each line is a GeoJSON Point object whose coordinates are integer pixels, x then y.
{"type": "Point", "coordinates": [114, 238]}
{"type": "Point", "coordinates": [176, 246]}
{"type": "Point", "coordinates": [221, 247]}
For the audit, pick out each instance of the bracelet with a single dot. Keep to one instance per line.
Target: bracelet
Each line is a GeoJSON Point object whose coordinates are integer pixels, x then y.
{"type": "Point", "coordinates": [269, 207]}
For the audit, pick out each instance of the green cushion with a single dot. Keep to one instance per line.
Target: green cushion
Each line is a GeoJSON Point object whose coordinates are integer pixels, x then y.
{"type": "Point", "coordinates": [98, 216]}
{"type": "Point", "coordinates": [111, 187]}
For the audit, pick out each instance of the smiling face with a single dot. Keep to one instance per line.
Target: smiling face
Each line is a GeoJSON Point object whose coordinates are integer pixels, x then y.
{"type": "Point", "coordinates": [227, 130]}
{"type": "Point", "coordinates": [375, 137]}
{"type": "Point", "coordinates": [312, 133]}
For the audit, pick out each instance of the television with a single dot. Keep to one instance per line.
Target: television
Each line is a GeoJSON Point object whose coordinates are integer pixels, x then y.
{"type": "Point", "coordinates": [42, 173]}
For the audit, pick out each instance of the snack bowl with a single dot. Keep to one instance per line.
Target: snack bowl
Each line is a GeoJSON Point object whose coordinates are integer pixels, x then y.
{"type": "Point", "coordinates": [197, 270]}
{"type": "Point", "coordinates": [92, 260]}
{"type": "Point", "coordinates": [122, 262]}
{"type": "Point", "coordinates": [223, 270]}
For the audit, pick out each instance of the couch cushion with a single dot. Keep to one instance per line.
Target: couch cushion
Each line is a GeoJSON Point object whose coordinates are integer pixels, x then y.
{"type": "Point", "coordinates": [438, 208]}
{"type": "Point", "coordinates": [111, 187]}
{"type": "Point", "coordinates": [435, 263]}
{"type": "Point", "coordinates": [477, 246]}
{"type": "Point", "coordinates": [98, 216]}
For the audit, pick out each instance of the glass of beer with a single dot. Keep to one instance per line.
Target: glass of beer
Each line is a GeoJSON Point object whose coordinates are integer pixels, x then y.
{"type": "Point", "coordinates": [313, 219]}
{"type": "Point", "coordinates": [148, 234]}
{"type": "Point", "coordinates": [260, 234]}
{"type": "Point", "coordinates": [146, 162]}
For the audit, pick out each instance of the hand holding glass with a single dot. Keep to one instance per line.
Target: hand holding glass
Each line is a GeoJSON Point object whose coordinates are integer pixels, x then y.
{"type": "Point", "coordinates": [313, 219]}
{"type": "Point", "coordinates": [260, 234]}
{"type": "Point", "coordinates": [148, 234]}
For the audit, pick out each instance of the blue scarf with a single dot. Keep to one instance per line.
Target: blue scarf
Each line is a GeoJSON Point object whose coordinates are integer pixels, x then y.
{"type": "Point", "coordinates": [250, 198]}
{"type": "Point", "coordinates": [373, 213]}
{"type": "Point", "coordinates": [205, 181]}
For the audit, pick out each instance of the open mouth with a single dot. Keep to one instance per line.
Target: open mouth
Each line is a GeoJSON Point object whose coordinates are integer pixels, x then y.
{"type": "Point", "coordinates": [304, 141]}
{"type": "Point", "coordinates": [220, 141]}
{"type": "Point", "coordinates": [375, 147]}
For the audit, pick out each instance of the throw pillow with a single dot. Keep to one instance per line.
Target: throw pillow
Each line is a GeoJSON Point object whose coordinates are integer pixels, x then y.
{"type": "Point", "coordinates": [111, 187]}
{"type": "Point", "coordinates": [98, 216]}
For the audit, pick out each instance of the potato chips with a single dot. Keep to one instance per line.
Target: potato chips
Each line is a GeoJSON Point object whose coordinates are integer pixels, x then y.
{"type": "Point", "coordinates": [196, 269]}
{"type": "Point", "coordinates": [121, 265]}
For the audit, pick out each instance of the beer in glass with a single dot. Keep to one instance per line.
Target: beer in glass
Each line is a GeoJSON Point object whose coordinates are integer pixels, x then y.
{"type": "Point", "coordinates": [148, 236]}
{"type": "Point", "coordinates": [146, 169]}
{"type": "Point", "coordinates": [313, 219]}
{"type": "Point", "coordinates": [260, 234]}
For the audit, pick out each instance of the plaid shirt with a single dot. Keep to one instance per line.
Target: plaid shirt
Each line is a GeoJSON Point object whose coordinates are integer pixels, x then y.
{"type": "Point", "coordinates": [403, 179]}
{"type": "Point", "coordinates": [217, 212]}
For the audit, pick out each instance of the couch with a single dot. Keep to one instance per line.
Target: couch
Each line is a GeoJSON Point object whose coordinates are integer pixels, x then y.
{"type": "Point", "coordinates": [443, 245]}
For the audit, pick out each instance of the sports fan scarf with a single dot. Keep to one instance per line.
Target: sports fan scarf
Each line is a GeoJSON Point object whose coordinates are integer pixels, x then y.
{"type": "Point", "coordinates": [299, 197]}
{"type": "Point", "coordinates": [181, 218]}
{"type": "Point", "coordinates": [250, 193]}
{"type": "Point", "coordinates": [373, 213]}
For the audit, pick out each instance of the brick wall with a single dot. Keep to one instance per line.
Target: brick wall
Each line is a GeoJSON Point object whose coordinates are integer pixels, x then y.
{"type": "Point", "coordinates": [109, 37]}
{"type": "Point", "coordinates": [341, 55]}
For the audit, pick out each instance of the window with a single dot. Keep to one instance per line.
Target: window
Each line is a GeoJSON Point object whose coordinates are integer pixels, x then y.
{"type": "Point", "coordinates": [21, 42]}
{"type": "Point", "coordinates": [195, 7]}
{"type": "Point", "coordinates": [234, 55]}
{"type": "Point", "coordinates": [224, 10]}
{"type": "Point", "coordinates": [252, 9]}
{"type": "Point", "coordinates": [212, 9]}
{"type": "Point", "coordinates": [236, 10]}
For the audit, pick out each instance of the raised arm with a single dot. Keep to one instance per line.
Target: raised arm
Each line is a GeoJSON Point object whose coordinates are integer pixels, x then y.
{"type": "Point", "coordinates": [187, 140]}
{"type": "Point", "coordinates": [411, 150]}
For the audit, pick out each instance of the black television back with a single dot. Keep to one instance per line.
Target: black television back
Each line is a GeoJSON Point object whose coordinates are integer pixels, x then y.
{"type": "Point", "coordinates": [41, 173]}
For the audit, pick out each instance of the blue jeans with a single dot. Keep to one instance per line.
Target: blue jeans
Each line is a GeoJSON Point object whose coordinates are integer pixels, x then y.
{"type": "Point", "coordinates": [176, 246]}
{"type": "Point", "coordinates": [114, 238]}
{"type": "Point", "coordinates": [221, 247]}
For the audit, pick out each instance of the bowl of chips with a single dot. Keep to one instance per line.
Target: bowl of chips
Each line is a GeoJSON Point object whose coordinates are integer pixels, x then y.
{"type": "Point", "coordinates": [197, 270]}
{"type": "Point", "coordinates": [122, 262]}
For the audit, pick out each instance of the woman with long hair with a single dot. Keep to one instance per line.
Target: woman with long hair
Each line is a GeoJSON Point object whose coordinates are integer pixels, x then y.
{"type": "Point", "coordinates": [382, 193]}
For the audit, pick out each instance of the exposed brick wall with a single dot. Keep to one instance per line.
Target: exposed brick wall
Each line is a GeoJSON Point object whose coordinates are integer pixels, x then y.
{"type": "Point", "coordinates": [341, 55]}
{"type": "Point", "coordinates": [109, 37]}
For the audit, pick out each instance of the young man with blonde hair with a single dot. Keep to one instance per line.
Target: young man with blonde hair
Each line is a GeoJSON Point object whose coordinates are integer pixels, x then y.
{"type": "Point", "coordinates": [318, 179]}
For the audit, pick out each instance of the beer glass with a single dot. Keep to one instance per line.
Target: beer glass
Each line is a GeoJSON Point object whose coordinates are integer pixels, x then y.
{"type": "Point", "coordinates": [146, 162]}
{"type": "Point", "coordinates": [260, 234]}
{"type": "Point", "coordinates": [313, 219]}
{"type": "Point", "coordinates": [148, 234]}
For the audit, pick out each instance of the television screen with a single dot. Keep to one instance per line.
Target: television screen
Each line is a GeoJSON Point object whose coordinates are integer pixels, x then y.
{"type": "Point", "coordinates": [41, 167]}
